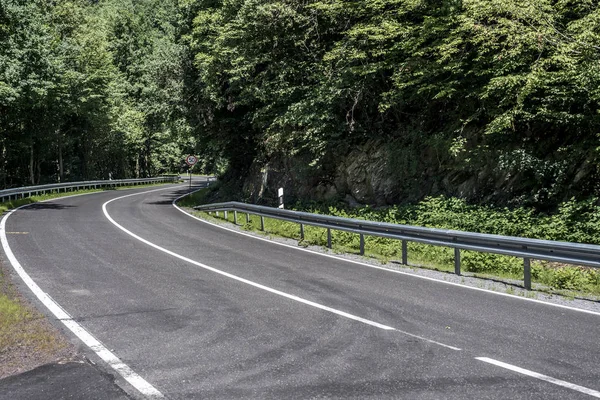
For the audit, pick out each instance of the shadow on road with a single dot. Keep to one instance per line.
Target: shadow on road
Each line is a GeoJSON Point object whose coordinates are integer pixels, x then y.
{"type": "Point", "coordinates": [47, 206]}
{"type": "Point", "coordinates": [72, 380]}
{"type": "Point", "coordinates": [168, 198]}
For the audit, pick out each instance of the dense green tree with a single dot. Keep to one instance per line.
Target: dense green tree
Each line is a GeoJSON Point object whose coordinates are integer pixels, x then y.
{"type": "Point", "coordinates": [488, 90]}
{"type": "Point", "coordinates": [89, 89]}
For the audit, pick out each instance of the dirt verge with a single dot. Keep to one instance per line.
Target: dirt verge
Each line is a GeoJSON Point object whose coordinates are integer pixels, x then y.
{"type": "Point", "coordinates": [27, 339]}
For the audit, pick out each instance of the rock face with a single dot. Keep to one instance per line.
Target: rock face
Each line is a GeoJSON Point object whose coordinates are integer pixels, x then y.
{"type": "Point", "coordinates": [364, 174]}
{"type": "Point", "coordinates": [361, 177]}
{"type": "Point", "coordinates": [381, 173]}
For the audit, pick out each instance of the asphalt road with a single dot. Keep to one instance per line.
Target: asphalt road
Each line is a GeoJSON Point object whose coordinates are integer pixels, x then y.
{"type": "Point", "coordinates": [196, 311]}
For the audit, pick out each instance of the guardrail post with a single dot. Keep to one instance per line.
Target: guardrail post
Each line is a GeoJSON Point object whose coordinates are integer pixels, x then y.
{"type": "Point", "coordinates": [217, 214]}
{"type": "Point", "coordinates": [226, 215]}
{"type": "Point", "coordinates": [527, 273]}
{"type": "Point", "coordinates": [235, 217]}
{"type": "Point", "coordinates": [302, 231]}
{"type": "Point", "coordinates": [362, 244]}
{"type": "Point", "coordinates": [329, 237]}
{"type": "Point", "coordinates": [457, 261]}
{"type": "Point", "coordinates": [262, 223]}
{"type": "Point", "coordinates": [404, 252]}
{"type": "Point", "coordinates": [247, 217]}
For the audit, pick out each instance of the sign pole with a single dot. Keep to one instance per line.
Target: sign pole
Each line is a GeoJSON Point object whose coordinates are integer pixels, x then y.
{"type": "Point", "coordinates": [191, 161]}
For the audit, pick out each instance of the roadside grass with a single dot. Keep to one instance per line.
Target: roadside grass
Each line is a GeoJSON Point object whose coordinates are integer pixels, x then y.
{"type": "Point", "coordinates": [198, 197]}
{"type": "Point", "coordinates": [23, 335]}
{"type": "Point", "coordinates": [26, 338]}
{"type": "Point", "coordinates": [567, 280]}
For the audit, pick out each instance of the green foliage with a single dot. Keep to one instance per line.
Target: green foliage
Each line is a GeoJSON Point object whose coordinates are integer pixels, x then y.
{"type": "Point", "coordinates": [504, 91]}
{"type": "Point", "coordinates": [89, 89]}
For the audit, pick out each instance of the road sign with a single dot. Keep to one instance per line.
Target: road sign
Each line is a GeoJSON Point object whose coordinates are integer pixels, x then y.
{"type": "Point", "coordinates": [191, 160]}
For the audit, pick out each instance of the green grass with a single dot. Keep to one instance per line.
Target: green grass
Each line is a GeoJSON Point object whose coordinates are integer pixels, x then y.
{"type": "Point", "coordinates": [198, 197]}
{"type": "Point", "coordinates": [25, 337]}
{"type": "Point", "coordinates": [567, 280]}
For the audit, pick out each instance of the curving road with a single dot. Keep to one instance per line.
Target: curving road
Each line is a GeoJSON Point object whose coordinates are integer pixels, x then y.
{"type": "Point", "coordinates": [183, 309]}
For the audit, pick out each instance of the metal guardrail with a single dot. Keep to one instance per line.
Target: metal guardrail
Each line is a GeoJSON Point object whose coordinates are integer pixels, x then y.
{"type": "Point", "coordinates": [563, 252]}
{"type": "Point", "coordinates": [28, 191]}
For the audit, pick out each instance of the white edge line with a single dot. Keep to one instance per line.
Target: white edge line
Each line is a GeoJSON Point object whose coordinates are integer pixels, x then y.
{"type": "Point", "coordinates": [536, 375]}
{"type": "Point", "coordinates": [235, 277]}
{"type": "Point", "coordinates": [87, 338]}
{"type": "Point", "coordinates": [383, 268]}
{"type": "Point", "coordinates": [260, 286]}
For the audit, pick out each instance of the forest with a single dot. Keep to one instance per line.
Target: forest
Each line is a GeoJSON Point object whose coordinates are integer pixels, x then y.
{"type": "Point", "coordinates": [89, 89]}
{"type": "Point", "coordinates": [385, 101]}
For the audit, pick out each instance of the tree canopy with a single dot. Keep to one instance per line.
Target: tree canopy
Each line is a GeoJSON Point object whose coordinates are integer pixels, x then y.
{"type": "Point", "coordinates": [88, 89]}
{"type": "Point", "coordinates": [505, 90]}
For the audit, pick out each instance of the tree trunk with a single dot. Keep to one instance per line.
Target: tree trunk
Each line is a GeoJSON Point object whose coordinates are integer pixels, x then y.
{"type": "Point", "coordinates": [31, 169]}
{"type": "Point", "coordinates": [147, 156]}
{"type": "Point", "coordinates": [84, 159]}
{"type": "Point", "coordinates": [38, 169]}
{"type": "Point", "coordinates": [3, 164]}
{"type": "Point", "coordinates": [61, 167]}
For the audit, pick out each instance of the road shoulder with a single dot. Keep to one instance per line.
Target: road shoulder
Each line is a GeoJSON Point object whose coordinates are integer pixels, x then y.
{"type": "Point", "coordinates": [27, 338]}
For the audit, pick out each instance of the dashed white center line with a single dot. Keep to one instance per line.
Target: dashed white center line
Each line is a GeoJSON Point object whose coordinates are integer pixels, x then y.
{"type": "Point", "coordinates": [263, 287]}
{"type": "Point", "coordinates": [514, 368]}
{"type": "Point", "coordinates": [523, 371]}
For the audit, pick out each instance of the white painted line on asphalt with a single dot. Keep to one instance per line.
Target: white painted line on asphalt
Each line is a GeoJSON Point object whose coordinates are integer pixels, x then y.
{"type": "Point", "coordinates": [258, 285]}
{"type": "Point", "coordinates": [123, 369]}
{"type": "Point", "coordinates": [428, 340]}
{"type": "Point", "coordinates": [382, 268]}
{"type": "Point", "coordinates": [568, 385]}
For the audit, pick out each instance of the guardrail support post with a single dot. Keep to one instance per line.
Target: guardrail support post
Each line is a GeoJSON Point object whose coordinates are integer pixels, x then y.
{"type": "Point", "coordinates": [527, 273]}
{"type": "Point", "coordinates": [457, 261]}
{"type": "Point", "coordinates": [247, 216]}
{"type": "Point", "coordinates": [262, 223]}
{"type": "Point", "coordinates": [235, 217]}
{"type": "Point", "coordinates": [362, 244]}
{"type": "Point", "coordinates": [217, 214]}
{"type": "Point", "coordinates": [226, 215]}
{"type": "Point", "coordinates": [404, 252]}
{"type": "Point", "coordinates": [302, 231]}
{"type": "Point", "coordinates": [328, 237]}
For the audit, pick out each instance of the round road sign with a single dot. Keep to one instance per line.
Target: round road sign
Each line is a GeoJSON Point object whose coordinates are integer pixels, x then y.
{"type": "Point", "coordinates": [191, 160]}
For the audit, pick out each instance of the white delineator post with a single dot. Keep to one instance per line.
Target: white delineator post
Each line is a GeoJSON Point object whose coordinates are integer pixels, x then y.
{"type": "Point", "coordinates": [280, 195]}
